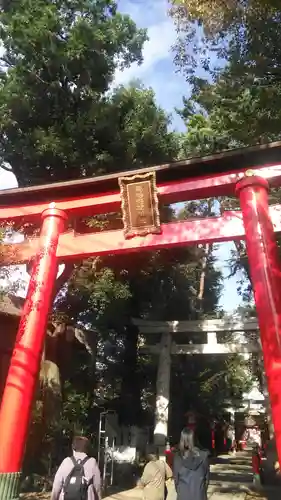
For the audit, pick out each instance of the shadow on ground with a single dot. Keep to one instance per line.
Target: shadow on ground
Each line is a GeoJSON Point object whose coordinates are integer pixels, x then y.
{"type": "Point", "coordinates": [267, 493]}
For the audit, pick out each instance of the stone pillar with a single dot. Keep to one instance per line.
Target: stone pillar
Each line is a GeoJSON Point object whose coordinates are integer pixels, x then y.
{"type": "Point", "coordinates": [163, 391]}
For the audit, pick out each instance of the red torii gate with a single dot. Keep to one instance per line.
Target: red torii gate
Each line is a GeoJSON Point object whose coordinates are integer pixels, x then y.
{"type": "Point", "coordinates": [223, 174]}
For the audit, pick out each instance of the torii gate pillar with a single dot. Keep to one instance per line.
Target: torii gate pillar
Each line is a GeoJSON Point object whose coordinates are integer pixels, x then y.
{"type": "Point", "coordinates": [163, 392]}
{"type": "Point", "coordinates": [25, 362]}
{"type": "Point", "coordinates": [265, 272]}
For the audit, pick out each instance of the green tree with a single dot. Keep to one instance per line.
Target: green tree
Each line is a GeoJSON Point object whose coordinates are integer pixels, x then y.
{"type": "Point", "coordinates": [59, 119]}
{"type": "Point", "coordinates": [218, 15]}
{"type": "Point", "coordinates": [237, 104]}
{"type": "Point", "coordinates": [239, 90]}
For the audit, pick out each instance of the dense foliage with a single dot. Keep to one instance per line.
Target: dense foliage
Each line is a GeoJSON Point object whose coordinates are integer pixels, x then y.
{"type": "Point", "coordinates": [236, 100]}
{"type": "Point", "coordinates": [59, 118]}
{"type": "Point", "coordinates": [234, 103]}
{"type": "Point", "coordinates": [218, 16]}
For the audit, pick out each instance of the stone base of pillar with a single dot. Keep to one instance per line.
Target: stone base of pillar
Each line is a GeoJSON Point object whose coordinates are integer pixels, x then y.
{"type": "Point", "coordinates": [10, 485]}
{"type": "Point", "coordinates": [159, 440]}
{"type": "Point", "coordinates": [161, 452]}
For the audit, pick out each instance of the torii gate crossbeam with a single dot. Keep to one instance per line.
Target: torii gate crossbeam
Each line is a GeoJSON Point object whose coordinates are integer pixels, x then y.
{"type": "Point", "coordinates": [219, 175]}
{"type": "Point", "coordinates": [71, 245]}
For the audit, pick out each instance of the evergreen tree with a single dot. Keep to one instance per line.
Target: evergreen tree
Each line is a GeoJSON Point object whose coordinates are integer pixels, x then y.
{"type": "Point", "coordinates": [59, 118]}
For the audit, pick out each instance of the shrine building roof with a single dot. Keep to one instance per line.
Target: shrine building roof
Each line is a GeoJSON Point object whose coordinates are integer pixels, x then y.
{"type": "Point", "coordinates": [200, 166]}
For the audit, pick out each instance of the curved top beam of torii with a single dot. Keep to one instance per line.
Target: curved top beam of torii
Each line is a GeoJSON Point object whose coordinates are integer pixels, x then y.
{"type": "Point", "coordinates": [195, 178]}
{"type": "Point", "coordinates": [191, 179]}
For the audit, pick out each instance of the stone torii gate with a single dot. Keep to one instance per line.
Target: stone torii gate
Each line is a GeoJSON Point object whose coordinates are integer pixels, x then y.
{"type": "Point", "coordinates": [169, 346]}
{"type": "Point", "coordinates": [137, 193]}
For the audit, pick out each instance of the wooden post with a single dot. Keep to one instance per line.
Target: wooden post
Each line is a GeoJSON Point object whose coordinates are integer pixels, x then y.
{"type": "Point", "coordinates": [27, 354]}
{"type": "Point", "coordinates": [163, 390]}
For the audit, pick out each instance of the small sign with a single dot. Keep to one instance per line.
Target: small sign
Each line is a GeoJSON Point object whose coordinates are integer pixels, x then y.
{"type": "Point", "coordinates": [139, 203]}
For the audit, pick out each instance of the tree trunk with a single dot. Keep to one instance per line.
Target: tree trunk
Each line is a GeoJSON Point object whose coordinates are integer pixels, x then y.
{"type": "Point", "coordinates": [204, 269]}
{"type": "Point", "coordinates": [241, 250]}
{"type": "Point", "coordinates": [130, 398]}
{"type": "Point", "coordinates": [200, 295]}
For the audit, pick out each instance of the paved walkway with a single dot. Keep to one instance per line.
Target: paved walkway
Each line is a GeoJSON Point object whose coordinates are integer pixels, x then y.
{"type": "Point", "coordinates": [231, 478]}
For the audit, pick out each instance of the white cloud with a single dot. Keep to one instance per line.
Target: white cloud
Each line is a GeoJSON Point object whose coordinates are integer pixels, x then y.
{"type": "Point", "coordinates": [157, 70]}
{"type": "Point", "coordinates": [7, 180]}
{"type": "Point", "coordinates": [156, 49]}
{"type": "Point", "coordinates": [145, 13]}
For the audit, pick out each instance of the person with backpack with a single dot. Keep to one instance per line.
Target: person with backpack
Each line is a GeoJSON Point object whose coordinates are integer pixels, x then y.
{"type": "Point", "coordinates": [191, 469]}
{"type": "Point", "coordinates": [78, 477]}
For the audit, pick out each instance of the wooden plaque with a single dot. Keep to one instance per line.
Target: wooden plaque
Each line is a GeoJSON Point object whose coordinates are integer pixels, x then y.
{"type": "Point", "coordinates": [139, 204]}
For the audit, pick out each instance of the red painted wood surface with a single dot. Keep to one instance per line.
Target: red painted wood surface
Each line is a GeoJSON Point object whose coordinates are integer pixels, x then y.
{"type": "Point", "coordinates": [265, 271]}
{"type": "Point", "coordinates": [27, 354]}
{"type": "Point", "coordinates": [77, 246]}
{"type": "Point", "coordinates": [172, 192]}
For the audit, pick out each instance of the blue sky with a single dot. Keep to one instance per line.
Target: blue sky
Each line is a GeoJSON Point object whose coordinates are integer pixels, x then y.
{"type": "Point", "coordinates": [158, 71]}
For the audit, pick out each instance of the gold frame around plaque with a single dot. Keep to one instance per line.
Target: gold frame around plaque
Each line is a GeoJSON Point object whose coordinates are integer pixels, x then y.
{"type": "Point", "coordinates": [131, 230]}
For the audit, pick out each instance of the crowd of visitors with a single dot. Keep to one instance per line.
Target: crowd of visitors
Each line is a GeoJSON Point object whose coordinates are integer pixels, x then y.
{"type": "Point", "coordinates": [78, 477]}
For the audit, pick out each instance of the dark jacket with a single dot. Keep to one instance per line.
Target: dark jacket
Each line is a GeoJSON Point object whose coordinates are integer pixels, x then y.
{"type": "Point", "coordinates": [191, 475]}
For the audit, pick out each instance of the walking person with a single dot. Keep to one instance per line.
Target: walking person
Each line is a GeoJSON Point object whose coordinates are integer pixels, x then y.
{"type": "Point", "coordinates": [256, 465]}
{"type": "Point", "coordinates": [191, 469]}
{"type": "Point", "coordinates": [78, 476]}
{"type": "Point", "coordinates": [154, 477]}
{"type": "Point", "coordinates": [231, 442]}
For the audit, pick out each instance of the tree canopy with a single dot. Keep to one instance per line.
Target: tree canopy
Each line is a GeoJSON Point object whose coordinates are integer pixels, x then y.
{"type": "Point", "coordinates": [219, 15]}
{"type": "Point", "coordinates": [235, 101]}
{"type": "Point", "coordinates": [60, 118]}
